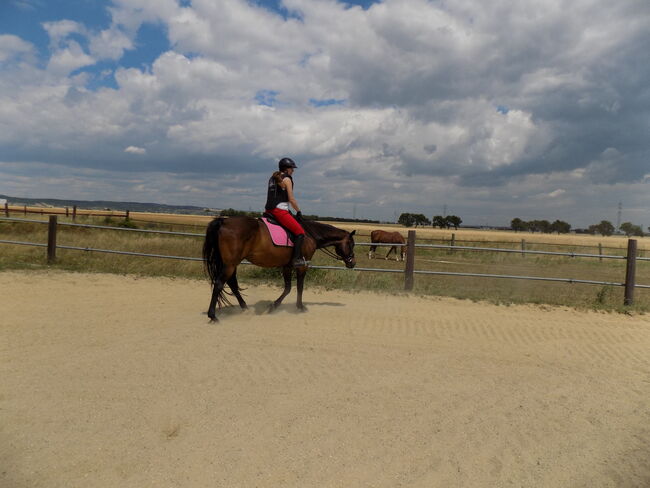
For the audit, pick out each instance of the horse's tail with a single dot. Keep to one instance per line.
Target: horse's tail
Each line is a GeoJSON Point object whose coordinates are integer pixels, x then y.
{"type": "Point", "coordinates": [211, 253]}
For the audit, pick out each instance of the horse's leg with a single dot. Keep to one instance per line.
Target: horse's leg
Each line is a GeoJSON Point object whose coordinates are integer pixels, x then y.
{"type": "Point", "coordinates": [217, 291]}
{"type": "Point", "coordinates": [300, 281]}
{"type": "Point", "coordinates": [371, 251]}
{"type": "Point", "coordinates": [234, 286]}
{"type": "Point", "coordinates": [390, 251]}
{"type": "Point", "coordinates": [286, 274]}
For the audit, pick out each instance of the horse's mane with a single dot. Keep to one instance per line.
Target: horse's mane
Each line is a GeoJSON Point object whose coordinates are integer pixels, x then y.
{"type": "Point", "coordinates": [323, 234]}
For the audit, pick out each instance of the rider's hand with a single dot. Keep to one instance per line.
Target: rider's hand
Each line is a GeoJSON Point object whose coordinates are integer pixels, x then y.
{"type": "Point", "coordinates": [299, 214]}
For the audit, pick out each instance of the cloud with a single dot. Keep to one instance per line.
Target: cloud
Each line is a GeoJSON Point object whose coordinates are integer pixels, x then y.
{"type": "Point", "coordinates": [557, 193]}
{"type": "Point", "coordinates": [461, 102]}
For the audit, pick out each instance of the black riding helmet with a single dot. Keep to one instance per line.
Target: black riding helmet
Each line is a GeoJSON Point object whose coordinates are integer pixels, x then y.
{"type": "Point", "coordinates": [286, 163]}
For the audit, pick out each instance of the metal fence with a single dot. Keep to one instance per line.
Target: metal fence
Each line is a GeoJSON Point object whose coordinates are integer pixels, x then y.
{"type": "Point", "coordinates": [409, 269]}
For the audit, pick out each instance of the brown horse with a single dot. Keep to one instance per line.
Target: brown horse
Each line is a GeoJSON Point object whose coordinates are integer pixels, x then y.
{"type": "Point", "coordinates": [384, 237]}
{"type": "Point", "coordinates": [229, 241]}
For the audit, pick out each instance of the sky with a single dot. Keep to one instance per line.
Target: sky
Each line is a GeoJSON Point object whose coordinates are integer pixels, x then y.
{"type": "Point", "coordinates": [486, 110]}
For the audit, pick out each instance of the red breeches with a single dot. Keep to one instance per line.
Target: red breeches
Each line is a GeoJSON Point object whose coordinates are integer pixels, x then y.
{"type": "Point", "coordinates": [287, 220]}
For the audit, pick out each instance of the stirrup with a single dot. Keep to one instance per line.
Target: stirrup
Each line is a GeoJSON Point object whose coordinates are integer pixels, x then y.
{"type": "Point", "coordinates": [299, 262]}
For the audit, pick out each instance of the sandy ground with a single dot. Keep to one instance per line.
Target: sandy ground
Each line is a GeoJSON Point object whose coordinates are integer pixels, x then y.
{"type": "Point", "coordinates": [110, 381]}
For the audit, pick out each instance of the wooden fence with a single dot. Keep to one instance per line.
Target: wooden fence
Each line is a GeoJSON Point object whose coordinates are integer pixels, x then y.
{"type": "Point", "coordinates": [453, 241]}
{"type": "Point", "coordinates": [8, 210]}
{"type": "Point", "coordinates": [409, 269]}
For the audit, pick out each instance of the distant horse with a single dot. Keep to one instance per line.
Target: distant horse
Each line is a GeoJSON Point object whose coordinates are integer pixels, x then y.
{"type": "Point", "coordinates": [229, 241]}
{"type": "Point", "coordinates": [384, 237]}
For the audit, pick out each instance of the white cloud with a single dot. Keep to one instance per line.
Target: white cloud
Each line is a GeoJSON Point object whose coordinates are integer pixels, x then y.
{"type": "Point", "coordinates": [110, 44]}
{"type": "Point", "coordinates": [60, 30]}
{"type": "Point", "coordinates": [13, 46]}
{"type": "Point", "coordinates": [66, 60]}
{"type": "Point", "coordinates": [418, 82]}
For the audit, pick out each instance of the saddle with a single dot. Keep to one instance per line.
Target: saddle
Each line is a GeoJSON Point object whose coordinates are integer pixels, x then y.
{"type": "Point", "coordinates": [280, 236]}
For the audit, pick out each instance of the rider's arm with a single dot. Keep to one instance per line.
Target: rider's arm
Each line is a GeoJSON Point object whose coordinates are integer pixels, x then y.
{"type": "Point", "coordinates": [292, 200]}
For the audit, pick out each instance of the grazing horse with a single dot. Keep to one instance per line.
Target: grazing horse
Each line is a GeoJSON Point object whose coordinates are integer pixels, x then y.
{"type": "Point", "coordinates": [229, 241]}
{"type": "Point", "coordinates": [384, 237]}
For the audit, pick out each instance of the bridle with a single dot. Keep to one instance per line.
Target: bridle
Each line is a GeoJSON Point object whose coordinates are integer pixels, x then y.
{"type": "Point", "coordinates": [346, 260]}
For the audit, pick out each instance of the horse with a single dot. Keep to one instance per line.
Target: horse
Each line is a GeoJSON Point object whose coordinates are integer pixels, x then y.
{"type": "Point", "coordinates": [228, 241]}
{"type": "Point", "coordinates": [384, 237]}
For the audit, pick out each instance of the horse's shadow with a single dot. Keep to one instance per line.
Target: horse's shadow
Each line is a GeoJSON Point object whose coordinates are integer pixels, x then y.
{"type": "Point", "coordinates": [264, 307]}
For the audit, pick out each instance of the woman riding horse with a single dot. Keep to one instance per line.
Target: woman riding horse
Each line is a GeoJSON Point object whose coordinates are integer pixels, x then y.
{"type": "Point", "coordinates": [228, 241]}
{"type": "Point", "coordinates": [278, 198]}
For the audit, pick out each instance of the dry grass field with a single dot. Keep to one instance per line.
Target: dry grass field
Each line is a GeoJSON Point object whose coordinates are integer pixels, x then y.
{"type": "Point", "coordinates": [364, 229]}
{"type": "Point", "coordinates": [488, 236]}
{"type": "Point", "coordinates": [441, 260]}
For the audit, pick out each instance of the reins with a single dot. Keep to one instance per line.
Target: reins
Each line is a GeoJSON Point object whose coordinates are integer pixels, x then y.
{"type": "Point", "coordinates": [323, 241]}
{"type": "Point", "coordinates": [336, 256]}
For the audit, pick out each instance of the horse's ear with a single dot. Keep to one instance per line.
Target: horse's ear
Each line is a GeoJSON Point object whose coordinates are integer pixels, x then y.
{"type": "Point", "coordinates": [352, 233]}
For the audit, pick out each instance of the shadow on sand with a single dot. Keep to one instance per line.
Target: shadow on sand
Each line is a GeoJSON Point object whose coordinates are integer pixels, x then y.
{"type": "Point", "coordinates": [263, 306]}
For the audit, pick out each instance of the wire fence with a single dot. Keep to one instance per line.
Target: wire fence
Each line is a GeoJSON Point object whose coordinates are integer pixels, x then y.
{"type": "Point", "coordinates": [409, 269]}
{"type": "Point", "coordinates": [126, 214]}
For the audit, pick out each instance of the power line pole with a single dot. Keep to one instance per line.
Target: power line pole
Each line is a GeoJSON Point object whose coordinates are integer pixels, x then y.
{"type": "Point", "coordinates": [618, 215]}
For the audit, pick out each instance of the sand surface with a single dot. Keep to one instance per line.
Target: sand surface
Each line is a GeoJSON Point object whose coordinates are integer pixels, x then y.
{"type": "Point", "coordinates": [110, 381]}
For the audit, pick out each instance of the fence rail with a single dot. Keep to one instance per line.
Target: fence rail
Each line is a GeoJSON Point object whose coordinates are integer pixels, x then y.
{"type": "Point", "coordinates": [409, 270]}
{"type": "Point", "coordinates": [126, 214]}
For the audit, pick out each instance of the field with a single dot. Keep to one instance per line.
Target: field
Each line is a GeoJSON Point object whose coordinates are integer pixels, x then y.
{"type": "Point", "coordinates": [494, 290]}
{"type": "Point", "coordinates": [114, 380]}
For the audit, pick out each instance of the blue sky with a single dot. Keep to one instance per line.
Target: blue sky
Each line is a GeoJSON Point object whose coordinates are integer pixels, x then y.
{"type": "Point", "coordinates": [392, 106]}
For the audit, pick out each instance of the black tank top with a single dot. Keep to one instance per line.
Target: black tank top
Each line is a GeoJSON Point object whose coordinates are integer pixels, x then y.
{"type": "Point", "coordinates": [276, 194]}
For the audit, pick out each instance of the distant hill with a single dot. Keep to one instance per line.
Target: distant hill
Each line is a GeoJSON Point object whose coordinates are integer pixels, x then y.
{"type": "Point", "coordinates": [104, 204]}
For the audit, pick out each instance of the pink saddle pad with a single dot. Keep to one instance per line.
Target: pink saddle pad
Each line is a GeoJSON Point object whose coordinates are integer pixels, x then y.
{"type": "Point", "coordinates": [278, 234]}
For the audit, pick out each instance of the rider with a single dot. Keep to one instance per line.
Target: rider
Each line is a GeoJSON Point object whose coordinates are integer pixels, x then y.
{"type": "Point", "coordinates": [280, 195]}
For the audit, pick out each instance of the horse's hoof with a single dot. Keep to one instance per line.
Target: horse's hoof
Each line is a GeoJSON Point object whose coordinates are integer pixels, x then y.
{"type": "Point", "coordinates": [214, 320]}
{"type": "Point", "coordinates": [302, 308]}
{"type": "Point", "coordinates": [271, 308]}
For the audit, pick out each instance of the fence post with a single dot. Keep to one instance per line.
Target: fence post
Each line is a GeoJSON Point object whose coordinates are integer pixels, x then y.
{"type": "Point", "coordinates": [74, 212]}
{"type": "Point", "coordinates": [6, 209]}
{"type": "Point", "coordinates": [630, 272]}
{"type": "Point", "coordinates": [453, 242]}
{"type": "Point", "coordinates": [410, 261]}
{"type": "Point", "coordinates": [25, 210]}
{"type": "Point", "coordinates": [523, 248]}
{"type": "Point", "coordinates": [127, 215]}
{"type": "Point", "coordinates": [51, 240]}
{"type": "Point", "coordinates": [600, 251]}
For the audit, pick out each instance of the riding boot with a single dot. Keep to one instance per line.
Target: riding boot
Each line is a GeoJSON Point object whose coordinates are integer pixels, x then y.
{"type": "Point", "coordinates": [298, 260]}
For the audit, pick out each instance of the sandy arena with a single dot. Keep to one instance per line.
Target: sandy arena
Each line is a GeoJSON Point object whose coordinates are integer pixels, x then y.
{"type": "Point", "coordinates": [112, 381]}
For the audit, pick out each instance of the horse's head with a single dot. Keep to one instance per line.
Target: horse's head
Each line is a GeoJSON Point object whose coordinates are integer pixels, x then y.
{"type": "Point", "coordinates": [345, 249]}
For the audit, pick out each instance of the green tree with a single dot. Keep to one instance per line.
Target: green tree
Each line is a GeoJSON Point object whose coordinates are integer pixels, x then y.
{"type": "Point", "coordinates": [631, 230]}
{"type": "Point", "coordinates": [534, 225]}
{"type": "Point", "coordinates": [406, 219]}
{"type": "Point", "coordinates": [421, 219]}
{"type": "Point", "coordinates": [560, 227]}
{"type": "Point", "coordinates": [605, 228]}
{"type": "Point", "coordinates": [439, 221]}
{"type": "Point", "coordinates": [517, 224]}
{"type": "Point", "coordinates": [454, 220]}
